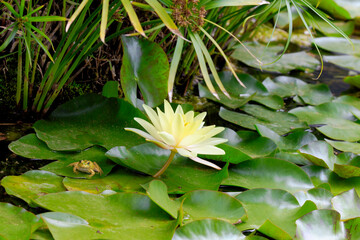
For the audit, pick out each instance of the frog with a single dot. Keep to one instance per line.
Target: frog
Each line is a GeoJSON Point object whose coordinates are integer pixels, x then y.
{"type": "Point", "coordinates": [86, 166]}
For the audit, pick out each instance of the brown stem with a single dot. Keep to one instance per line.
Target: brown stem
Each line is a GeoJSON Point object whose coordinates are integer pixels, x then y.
{"type": "Point", "coordinates": [166, 165]}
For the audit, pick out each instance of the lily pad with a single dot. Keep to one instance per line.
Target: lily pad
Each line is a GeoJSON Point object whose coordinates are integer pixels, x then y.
{"type": "Point", "coordinates": [353, 80]}
{"type": "Point", "coordinates": [89, 120]}
{"type": "Point", "coordinates": [32, 184]}
{"type": "Point", "coordinates": [254, 91]}
{"type": "Point", "coordinates": [320, 224]}
{"type": "Point", "coordinates": [120, 180]}
{"type": "Point", "coordinates": [144, 65]}
{"type": "Point", "coordinates": [271, 211]}
{"type": "Point", "coordinates": [179, 177]}
{"type": "Point", "coordinates": [320, 196]}
{"type": "Point", "coordinates": [339, 185]}
{"type": "Point", "coordinates": [213, 229]}
{"type": "Point", "coordinates": [345, 146]}
{"type": "Point", "coordinates": [268, 173]}
{"type": "Point", "coordinates": [339, 45]}
{"type": "Point", "coordinates": [16, 223]}
{"type": "Point", "coordinates": [269, 55]}
{"type": "Point", "coordinates": [318, 175]}
{"type": "Point", "coordinates": [353, 228]}
{"type": "Point", "coordinates": [284, 86]}
{"type": "Point", "coordinates": [345, 61]}
{"type": "Point", "coordinates": [347, 204]}
{"type": "Point", "coordinates": [242, 146]}
{"type": "Point", "coordinates": [338, 8]}
{"type": "Point", "coordinates": [279, 122]}
{"type": "Point", "coordinates": [338, 119]}
{"type": "Point", "coordinates": [94, 154]}
{"type": "Point", "coordinates": [129, 215]}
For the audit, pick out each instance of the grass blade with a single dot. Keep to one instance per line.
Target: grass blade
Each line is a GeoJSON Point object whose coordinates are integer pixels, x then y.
{"type": "Point", "coordinates": [104, 19]}
{"type": "Point", "coordinates": [133, 17]}
{"type": "Point", "coordinates": [9, 39]}
{"type": "Point", "coordinates": [174, 66]}
{"type": "Point", "coordinates": [76, 13]}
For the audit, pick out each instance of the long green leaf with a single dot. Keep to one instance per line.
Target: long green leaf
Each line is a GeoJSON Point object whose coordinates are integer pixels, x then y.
{"type": "Point", "coordinates": [42, 45]}
{"type": "Point", "coordinates": [46, 19]}
{"type": "Point", "coordinates": [34, 11]}
{"type": "Point", "coordinates": [211, 64]}
{"type": "Point", "coordinates": [165, 17]}
{"type": "Point", "coordinates": [19, 73]}
{"type": "Point", "coordinates": [202, 65]}
{"type": "Point", "coordinates": [9, 39]}
{"type": "Point", "coordinates": [40, 32]}
{"type": "Point", "coordinates": [174, 66]}
{"type": "Point", "coordinates": [133, 17]}
{"type": "Point", "coordinates": [227, 3]}
{"type": "Point", "coordinates": [11, 9]}
{"type": "Point", "coordinates": [76, 13]}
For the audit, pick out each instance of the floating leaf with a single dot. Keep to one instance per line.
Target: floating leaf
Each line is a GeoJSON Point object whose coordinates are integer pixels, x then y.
{"type": "Point", "coordinates": [129, 215]}
{"type": "Point", "coordinates": [208, 229]}
{"type": "Point", "coordinates": [89, 120]}
{"type": "Point", "coordinates": [347, 204]}
{"type": "Point", "coordinates": [345, 61]}
{"type": "Point", "coordinates": [16, 223]}
{"type": "Point", "coordinates": [339, 44]}
{"type": "Point", "coordinates": [320, 153]}
{"type": "Point", "coordinates": [179, 177]}
{"type": "Point", "coordinates": [146, 66]}
{"type": "Point", "coordinates": [345, 146]}
{"type": "Point", "coordinates": [339, 185]}
{"type": "Point", "coordinates": [243, 145]}
{"type": "Point", "coordinates": [268, 173]}
{"type": "Point", "coordinates": [317, 174]}
{"type": "Point", "coordinates": [254, 91]}
{"type": "Point", "coordinates": [284, 86]}
{"type": "Point", "coordinates": [268, 56]}
{"type": "Point", "coordinates": [271, 211]}
{"type": "Point", "coordinates": [94, 154]}
{"type": "Point", "coordinates": [121, 180]}
{"type": "Point", "coordinates": [32, 184]}
{"type": "Point", "coordinates": [279, 122]}
{"type": "Point", "coordinates": [337, 117]}
{"type": "Point", "coordinates": [321, 224]}
{"type": "Point", "coordinates": [320, 196]}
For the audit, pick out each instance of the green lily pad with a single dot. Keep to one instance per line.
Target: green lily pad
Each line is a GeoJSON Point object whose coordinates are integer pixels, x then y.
{"type": "Point", "coordinates": [32, 184]}
{"type": "Point", "coordinates": [350, 100]}
{"type": "Point", "coordinates": [347, 27]}
{"type": "Point", "coordinates": [271, 211]}
{"type": "Point", "coordinates": [268, 173]}
{"type": "Point", "coordinates": [318, 175]}
{"type": "Point", "coordinates": [288, 62]}
{"type": "Point", "coordinates": [242, 146]}
{"type": "Point", "coordinates": [353, 226]}
{"type": "Point", "coordinates": [213, 229]}
{"type": "Point", "coordinates": [339, 185]}
{"type": "Point", "coordinates": [94, 154]}
{"type": "Point", "coordinates": [202, 204]}
{"type": "Point", "coordinates": [254, 91]}
{"type": "Point", "coordinates": [345, 146]}
{"type": "Point", "coordinates": [320, 153]}
{"type": "Point", "coordinates": [42, 234]}
{"type": "Point", "coordinates": [347, 204]}
{"type": "Point", "coordinates": [120, 180]}
{"type": "Point", "coordinates": [320, 224]}
{"type": "Point", "coordinates": [279, 122]}
{"type": "Point", "coordinates": [179, 177]}
{"type": "Point", "coordinates": [16, 223]}
{"type": "Point", "coordinates": [339, 45]}
{"type": "Point", "coordinates": [32, 147]}
{"type": "Point", "coordinates": [129, 215]}
{"type": "Point", "coordinates": [285, 86]}
{"type": "Point", "coordinates": [145, 65]}
{"type": "Point", "coordinates": [353, 80]}
{"type": "Point", "coordinates": [337, 117]}
{"type": "Point", "coordinates": [320, 196]}
{"type": "Point", "coordinates": [337, 8]}
{"type": "Point", "coordinates": [293, 141]}
{"type": "Point", "coordinates": [89, 120]}
{"type": "Point", "coordinates": [345, 61]}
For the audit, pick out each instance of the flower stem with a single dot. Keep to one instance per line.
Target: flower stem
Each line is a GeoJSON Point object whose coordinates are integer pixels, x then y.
{"type": "Point", "coordinates": [166, 165]}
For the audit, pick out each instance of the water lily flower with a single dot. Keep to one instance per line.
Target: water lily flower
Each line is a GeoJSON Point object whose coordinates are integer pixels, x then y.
{"type": "Point", "coordinates": [181, 133]}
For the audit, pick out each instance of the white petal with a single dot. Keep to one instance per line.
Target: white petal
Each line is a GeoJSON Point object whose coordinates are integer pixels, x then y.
{"type": "Point", "coordinates": [179, 110]}
{"type": "Point", "coordinates": [178, 127]}
{"type": "Point", "coordinates": [212, 141]}
{"type": "Point", "coordinates": [141, 133]}
{"type": "Point", "coordinates": [207, 149]}
{"type": "Point", "coordinates": [205, 130]}
{"type": "Point", "coordinates": [154, 118]}
{"type": "Point", "coordinates": [185, 153]}
{"type": "Point", "coordinates": [202, 161]}
{"type": "Point", "coordinates": [169, 112]}
{"type": "Point", "coordinates": [148, 127]}
{"type": "Point", "coordinates": [191, 140]}
{"type": "Point", "coordinates": [160, 144]}
{"type": "Point", "coordinates": [196, 124]}
{"type": "Point", "coordinates": [189, 116]}
{"type": "Point", "coordinates": [167, 138]}
{"type": "Point", "coordinates": [164, 122]}
{"type": "Point", "coordinates": [214, 132]}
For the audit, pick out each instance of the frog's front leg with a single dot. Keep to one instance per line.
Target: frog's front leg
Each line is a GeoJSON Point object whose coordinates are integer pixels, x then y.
{"type": "Point", "coordinates": [92, 173]}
